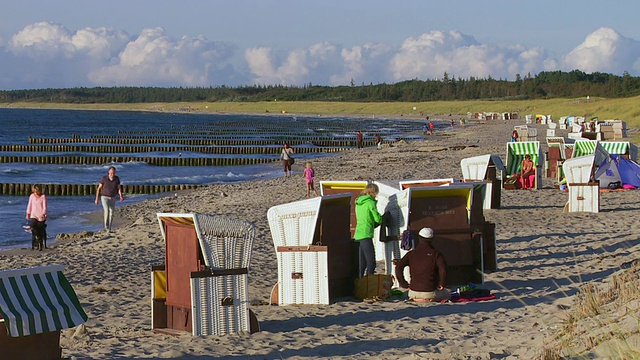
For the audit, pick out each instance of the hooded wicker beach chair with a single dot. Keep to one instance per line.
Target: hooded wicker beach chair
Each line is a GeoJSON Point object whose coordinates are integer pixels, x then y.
{"type": "Point", "coordinates": [584, 191]}
{"type": "Point", "coordinates": [316, 257]}
{"type": "Point", "coordinates": [485, 168]}
{"type": "Point", "coordinates": [457, 224]}
{"type": "Point", "coordinates": [516, 151]}
{"type": "Point", "coordinates": [203, 285]}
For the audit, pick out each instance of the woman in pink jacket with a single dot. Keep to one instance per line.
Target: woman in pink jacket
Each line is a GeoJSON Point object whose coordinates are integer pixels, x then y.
{"type": "Point", "coordinates": [37, 215]}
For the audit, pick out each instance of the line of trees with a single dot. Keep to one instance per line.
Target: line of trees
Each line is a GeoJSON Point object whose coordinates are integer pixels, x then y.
{"type": "Point", "coordinates": [552, 84]}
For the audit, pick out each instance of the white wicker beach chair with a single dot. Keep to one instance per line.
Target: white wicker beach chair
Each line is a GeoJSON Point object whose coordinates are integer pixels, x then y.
{"type": "Point", "coordinates": [303, 267]}
{"type": "Point", "coordinates": [476, 169]}
{"type": "Point", "coordinates": [584, 193]}
{"type": "Point", "coordinates": [219, 293]}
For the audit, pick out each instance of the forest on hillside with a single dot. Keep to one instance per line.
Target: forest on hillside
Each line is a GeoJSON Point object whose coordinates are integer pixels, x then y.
{"type": "Point", "coordinates": [554, 84]}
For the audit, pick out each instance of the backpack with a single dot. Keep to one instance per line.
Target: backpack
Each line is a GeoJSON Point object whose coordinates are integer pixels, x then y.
{"type": "Point", "coordinates": [407, 240]}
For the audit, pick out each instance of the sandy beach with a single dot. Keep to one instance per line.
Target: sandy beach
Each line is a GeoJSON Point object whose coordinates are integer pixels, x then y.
{"type": "Point", "coordinates": [544, 257]}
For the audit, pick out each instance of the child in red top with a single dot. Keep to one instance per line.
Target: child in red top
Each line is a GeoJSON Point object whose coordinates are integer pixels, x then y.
{"type": "Point", "coordinates": [309, 174]}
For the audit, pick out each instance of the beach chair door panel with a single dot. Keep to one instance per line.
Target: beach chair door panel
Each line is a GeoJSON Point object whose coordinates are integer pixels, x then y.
{"type": "Point", "coordinates": [352, 210]}
{"type": "Point", "coordinates": [463, 254]}
{"type": "Point", "coordinates": [183, 256]}
{"type": "Point", "coordinates": [438, 213]}
{"type": "Point", "coordinates": [333, 232]}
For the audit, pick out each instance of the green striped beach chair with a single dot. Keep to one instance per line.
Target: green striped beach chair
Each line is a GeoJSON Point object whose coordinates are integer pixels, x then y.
{"type": "Point", "coordinates": [590, 147]}
{"type": "Point", "coordinates": [557, 141]}
{"type": "Point", "coordinates": [516, 152]}
{"type": "Point", "coordinates": [584, 147]}
{"type": "Point", "coordinates": [35, 304]}
{"type": "Point", "coordinates": [37, 300]}
{"type": "Point", "coordinates": [624, 148]}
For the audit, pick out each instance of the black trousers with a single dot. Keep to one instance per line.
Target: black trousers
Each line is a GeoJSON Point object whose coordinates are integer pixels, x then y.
{"type": "Point", "coordinates": [367, 257]}
{"type": "Point", "coordinates": [38, 228]}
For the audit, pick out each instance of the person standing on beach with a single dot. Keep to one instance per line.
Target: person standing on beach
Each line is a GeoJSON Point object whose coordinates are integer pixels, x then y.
{"type": "Point", "coordinates": [430, 128]}
{"type": "Point", "coordinates": [427, 269]}
{"type": "Point", "coordinates": [37, 215]}
{"type": "Point", "coordinates": [309, 175]}
{"type": "Point", "coordinates": [287, 159]}
{"type": "Point", "coordinates": [514, 136]}
{"type": "Point", "coordinates": [378, 140]}
{"type": "Point", "coordinates": [360, 139]}
{"type": "Point", "coordinates": [108, 188]}
{"type": "Point", "coordinates": [367, 219]}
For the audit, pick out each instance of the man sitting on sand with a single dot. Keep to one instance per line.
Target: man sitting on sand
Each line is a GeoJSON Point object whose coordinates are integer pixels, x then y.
{"type": "Point", "coordinates": [427, 270]}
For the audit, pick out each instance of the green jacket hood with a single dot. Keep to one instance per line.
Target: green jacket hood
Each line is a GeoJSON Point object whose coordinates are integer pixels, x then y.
{"type": "Point", "coordinates": [362, 199]}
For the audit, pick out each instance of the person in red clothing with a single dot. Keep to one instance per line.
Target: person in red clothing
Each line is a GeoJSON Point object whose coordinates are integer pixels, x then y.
{"type": "Point", "coordinates": [427, 269]}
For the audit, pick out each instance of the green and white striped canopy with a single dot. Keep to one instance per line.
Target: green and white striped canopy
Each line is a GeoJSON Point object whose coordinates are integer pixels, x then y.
{"type": "Point", "coordinates": [516, 152]}
{"type": "Point", "coordinates": [616, 147]}
{"type": "Point", "coordinates": [38, 300]}
{"type": "Point", "coordinates": [584, 147]}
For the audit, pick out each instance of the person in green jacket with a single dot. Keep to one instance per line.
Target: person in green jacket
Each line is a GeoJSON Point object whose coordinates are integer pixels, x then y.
{"type": "Point", "coordinates": [367, 219]}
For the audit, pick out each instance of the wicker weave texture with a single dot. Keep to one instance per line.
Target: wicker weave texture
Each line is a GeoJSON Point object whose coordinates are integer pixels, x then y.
{"type": "Point", "coordinates": [226, 243]}
{"type": "Point", "coordinates": [303, 277]}
{"type": "Point", "coordinates": [294, 224]}
{"type": "Point", "coordinates": [220, 305]}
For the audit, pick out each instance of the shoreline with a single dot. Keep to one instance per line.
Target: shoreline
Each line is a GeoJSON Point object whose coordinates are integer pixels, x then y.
{"type": "Point", "coordinates": [544, 257]}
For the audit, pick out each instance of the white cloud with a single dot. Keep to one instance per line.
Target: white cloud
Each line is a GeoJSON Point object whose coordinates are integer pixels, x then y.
{"type": "Point", "coordinates": [430, 55]}
{"type": "Point", "coordinates": [49, 55]}
{"type": "Point", "coordinates": [314, 64]}
{"type": "Point", "coordinates": [155, 59]}
{"type": "Point", "coordinates": [322, 63]}
{"type": "Point", "coordinates": [604, 50]}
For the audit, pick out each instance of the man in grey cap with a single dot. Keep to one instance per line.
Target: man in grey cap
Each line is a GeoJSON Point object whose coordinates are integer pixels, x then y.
{"type": "Point", "coordinates": [427, 269]}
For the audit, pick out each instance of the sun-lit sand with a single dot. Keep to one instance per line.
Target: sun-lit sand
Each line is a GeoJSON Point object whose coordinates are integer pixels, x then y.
{"type": "Point", "coordinates": [544, 255]}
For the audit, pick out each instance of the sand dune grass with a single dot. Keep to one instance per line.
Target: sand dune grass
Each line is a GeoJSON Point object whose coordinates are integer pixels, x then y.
{"type": "Point", "coordinates": [603, 322]}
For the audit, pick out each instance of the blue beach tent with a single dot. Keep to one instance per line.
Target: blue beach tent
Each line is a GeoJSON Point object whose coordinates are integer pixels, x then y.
{"type": "Point", "coordinates": [618, 168]}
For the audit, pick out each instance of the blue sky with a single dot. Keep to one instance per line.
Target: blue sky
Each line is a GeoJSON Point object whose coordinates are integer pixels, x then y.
{"type": "Point", "coordinates": [69, 43]}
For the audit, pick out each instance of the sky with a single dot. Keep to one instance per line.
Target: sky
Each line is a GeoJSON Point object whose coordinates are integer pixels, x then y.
{"type": "Point", "coordinates": [202, 43]}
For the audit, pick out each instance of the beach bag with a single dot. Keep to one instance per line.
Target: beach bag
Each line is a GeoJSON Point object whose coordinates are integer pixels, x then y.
{"type": "Point", "coordinates": [291, 160]}
{"type": "Point", "coordinates": [407, 240]}
{"type": "Point", "coordinates": [373, 285]}
{"type": "Point", "coordinates": [383, 234]}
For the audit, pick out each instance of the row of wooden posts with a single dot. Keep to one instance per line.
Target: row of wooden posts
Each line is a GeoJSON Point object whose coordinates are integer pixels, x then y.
{"type": "Point", "coordinates": [155, 161]}
{"type": "Point", "coordinates": [190, 141]}
{"type": "Point", "coordinates": [88, 189]}
{"type": "Point", "coordinates": [231, 150]}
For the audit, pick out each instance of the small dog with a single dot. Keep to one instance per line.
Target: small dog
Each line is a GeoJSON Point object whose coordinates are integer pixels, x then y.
{"type": "Point", "coordinates": [38, 242]}
{"type": "Point", "coordinates": [38, 238]}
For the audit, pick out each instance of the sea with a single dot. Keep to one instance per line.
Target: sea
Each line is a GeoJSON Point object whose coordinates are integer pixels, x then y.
{"type": "Point", "coordinates": [72, 214]}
